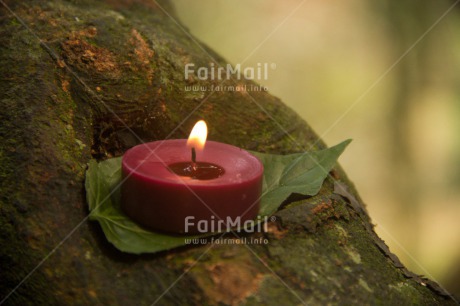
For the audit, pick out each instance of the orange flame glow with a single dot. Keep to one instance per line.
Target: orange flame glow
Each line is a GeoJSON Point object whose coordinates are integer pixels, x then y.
{"type": "Point", "coordinates": [197, 138]}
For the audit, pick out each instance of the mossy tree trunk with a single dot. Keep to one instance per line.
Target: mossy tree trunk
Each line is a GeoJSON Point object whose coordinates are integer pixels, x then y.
{"type": "Point", "coordinates": [74, 85]}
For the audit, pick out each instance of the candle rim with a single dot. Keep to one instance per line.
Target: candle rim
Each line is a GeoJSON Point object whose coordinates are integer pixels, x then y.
{"type": "Point", "coordinates": [257, 168]}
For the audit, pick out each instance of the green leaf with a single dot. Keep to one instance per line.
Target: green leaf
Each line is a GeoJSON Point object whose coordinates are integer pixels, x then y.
{"type": "Point", "coordinates": [301, 173]}
{"type": "Point", "coordinates": [102, 192]}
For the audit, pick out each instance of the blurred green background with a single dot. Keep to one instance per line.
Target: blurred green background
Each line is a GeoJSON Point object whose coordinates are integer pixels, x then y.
{"type": "Point", "coordinates": [351, 70]}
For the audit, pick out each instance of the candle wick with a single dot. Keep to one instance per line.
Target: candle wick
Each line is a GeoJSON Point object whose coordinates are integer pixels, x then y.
{"type": "Point", "coordinates": [193, 155]}
{"type": "Point", "coordinates": [193, 159]}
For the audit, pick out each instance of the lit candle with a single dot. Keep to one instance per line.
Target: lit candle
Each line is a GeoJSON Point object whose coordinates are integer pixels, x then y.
{"type": "Point", "coordinates": [190, 186]}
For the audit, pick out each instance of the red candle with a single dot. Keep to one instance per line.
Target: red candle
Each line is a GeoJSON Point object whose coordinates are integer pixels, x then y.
{"type": "Point", "coordinates": [164, 189]}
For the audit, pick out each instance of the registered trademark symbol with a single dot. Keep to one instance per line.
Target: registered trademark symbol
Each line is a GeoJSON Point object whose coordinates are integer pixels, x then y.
{"type": "Point", "coordinates": [272, 218]}
{"type": "Point", "coordinates": [273, 65]}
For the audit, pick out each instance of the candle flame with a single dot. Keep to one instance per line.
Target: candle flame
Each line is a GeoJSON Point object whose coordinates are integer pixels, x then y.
{"type": "Point", "coordinates": [197, 138]}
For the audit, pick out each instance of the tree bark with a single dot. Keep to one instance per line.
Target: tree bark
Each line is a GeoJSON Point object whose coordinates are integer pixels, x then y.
{"type": "Point", "coordinates": [77, 77]}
